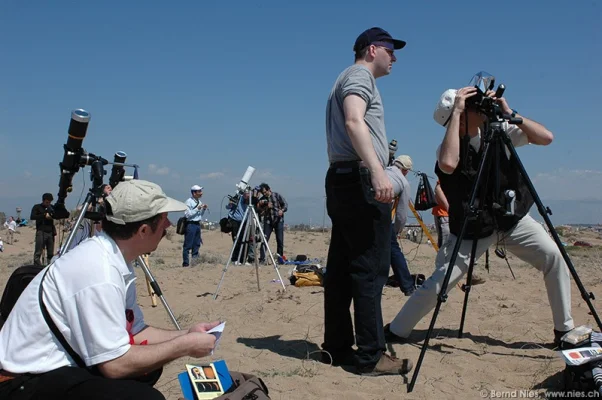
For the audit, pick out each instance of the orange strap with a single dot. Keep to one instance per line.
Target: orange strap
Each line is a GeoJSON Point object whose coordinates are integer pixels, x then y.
{"type": "Point", "coordinates": [394, 209]}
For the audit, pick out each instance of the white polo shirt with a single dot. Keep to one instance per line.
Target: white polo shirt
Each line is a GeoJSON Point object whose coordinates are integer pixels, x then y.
{"type": "Point", "coordinates": [90, 293]}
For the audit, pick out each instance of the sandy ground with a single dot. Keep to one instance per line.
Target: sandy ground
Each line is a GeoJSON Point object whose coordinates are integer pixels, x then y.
{"type": "Point", "coordinates": [276, 334]}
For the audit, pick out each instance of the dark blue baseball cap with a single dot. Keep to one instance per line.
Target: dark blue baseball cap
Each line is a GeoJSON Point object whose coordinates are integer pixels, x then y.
{"type": "Point", "coordinates": [379, 37]}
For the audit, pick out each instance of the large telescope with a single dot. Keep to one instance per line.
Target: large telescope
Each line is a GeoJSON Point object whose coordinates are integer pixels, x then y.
{"type": "Point", "coordinates": [71, 158]}
{"type": "Point", "coordinates": [118, 172]}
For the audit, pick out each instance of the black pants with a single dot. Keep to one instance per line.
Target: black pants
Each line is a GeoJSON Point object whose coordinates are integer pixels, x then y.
{"type": "Point", "coordinates": [44, 240]}
{"type": "Point", "coordinates": [68, 383]}
{"type": "Point", "coordinates": [357, 267]}
{"type": "Point", "coordinates": [268, 228]}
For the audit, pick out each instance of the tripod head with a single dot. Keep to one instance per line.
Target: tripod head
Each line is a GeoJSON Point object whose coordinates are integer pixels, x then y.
{"type": "Point", "coordinates": [392, 150]}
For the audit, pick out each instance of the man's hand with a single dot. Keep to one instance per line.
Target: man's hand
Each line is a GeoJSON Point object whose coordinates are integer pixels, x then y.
{"type": "Point", "coordinates": [203, 327]}
{"type": "Point", "coordinates": [280, 213]}
{"type": "Point", "coordinates": [205, 206]}
{"type": "Point", "coordinates": [461, 96]}
{"type": "Point", "coordinates": [47, 216]}
{"type": "Point", "coordinates": [501, 101]}
{"type": "Point", "coordinates": [383, 189]}
{"type": "Point", "coordinates": [201, 344]}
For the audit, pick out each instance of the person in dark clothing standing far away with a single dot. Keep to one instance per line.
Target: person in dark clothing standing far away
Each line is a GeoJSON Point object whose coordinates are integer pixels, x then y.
{"type": "Point", "coordinates": [359, 196]}
{"type": "Point", "coordinates": [45, 231]}
{"type": "Point", "coordinates": [274, 206]}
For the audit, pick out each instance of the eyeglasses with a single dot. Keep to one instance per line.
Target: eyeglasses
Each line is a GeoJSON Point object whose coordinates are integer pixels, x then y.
{"type": "Point", "coordinates": [388, 50]}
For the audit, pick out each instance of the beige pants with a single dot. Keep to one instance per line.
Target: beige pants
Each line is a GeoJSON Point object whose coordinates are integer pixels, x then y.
{"type": "Point", "coordinates": [11, 234]}
{"type": "Point", "coordinates": [528, 241]}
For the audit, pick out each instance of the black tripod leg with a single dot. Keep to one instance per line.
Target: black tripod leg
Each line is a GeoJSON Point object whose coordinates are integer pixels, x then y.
{"type": "Point", "coordinates": [543, 211]}
{"type": "Point", "coordinates": [471, 213]}
{"type": "Point", "coordinates": [466, 287]}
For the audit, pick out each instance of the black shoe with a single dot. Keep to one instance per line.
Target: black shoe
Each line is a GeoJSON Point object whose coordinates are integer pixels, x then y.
{"type": "Point", "coordinates": [557, 336]}
{"type": "Point", "coordinates": [346, 358]}
{"type": "Point", "coordinates": [185, 265]}
{"type": "Point", "coordinates": [390, 337]}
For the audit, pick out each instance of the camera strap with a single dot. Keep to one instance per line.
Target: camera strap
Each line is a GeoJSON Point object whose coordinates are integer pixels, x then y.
{"type": "Point", "coordinates": [54, 329]}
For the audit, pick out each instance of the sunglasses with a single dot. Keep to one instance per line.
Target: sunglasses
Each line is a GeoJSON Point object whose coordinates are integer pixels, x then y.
{"type": "Point", "coordinates": [389, 51]}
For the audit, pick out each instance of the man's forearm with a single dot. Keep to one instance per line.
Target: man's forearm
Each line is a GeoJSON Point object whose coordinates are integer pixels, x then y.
{"type": "Point", "coordinates": [362, 143]}
{"type": "Point", "coordinates": [536, 132]}
{"type": "Point", "coordinates": [156, 335]}
{"type": "Point", "coordinates": [449, 153]}
{"type": "Point", "coordinates": [139, 360]}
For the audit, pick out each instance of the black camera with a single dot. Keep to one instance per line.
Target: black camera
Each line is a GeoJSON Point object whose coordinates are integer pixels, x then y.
{"type": "Point", "coordinates": [50, 211]}
{"type": "Point", "coordinates": [484, 104]}
{"type": "Point", "coordinates": [234, 198]}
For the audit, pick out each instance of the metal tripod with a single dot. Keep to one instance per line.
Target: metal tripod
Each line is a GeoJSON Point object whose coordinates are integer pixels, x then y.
{"type": "Point", "coordinates": [250, 222]}
{"type": "Point", "coordinates": [495, 139]}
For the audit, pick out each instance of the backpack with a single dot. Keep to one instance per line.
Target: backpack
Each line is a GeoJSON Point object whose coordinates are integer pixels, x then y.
{"type": "Point", "coordinates": [182, 222]}
{"type": "Point", "coordinates": [225, 225]}
{"type": "Point", "coordinates": [181, 226]}
{"type": "Point", "coordinates": [307, 275]}
{"type": "Point", "coordinates": [425, 197]}
{"type": "Point", "coordinates": [15, 285]}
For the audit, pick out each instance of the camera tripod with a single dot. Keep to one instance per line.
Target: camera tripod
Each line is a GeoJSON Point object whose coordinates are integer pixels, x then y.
{"type": "Point", "coordinates": [91, 199]}
{"type": "Point", "coordinates": [496, 141]}
{"type": "Point", "coordinates": [251, 224]}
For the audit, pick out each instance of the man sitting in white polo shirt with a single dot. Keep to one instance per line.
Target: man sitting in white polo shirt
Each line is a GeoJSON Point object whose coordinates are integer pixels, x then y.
{"type": "Point", "coordinates": [90, 296]}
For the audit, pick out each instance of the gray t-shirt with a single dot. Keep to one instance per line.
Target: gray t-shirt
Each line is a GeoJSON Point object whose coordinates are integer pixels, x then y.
{"type": "Point", "coordinates": [355, 80]}
{"type": "Point", "coordinates": [401, 188]}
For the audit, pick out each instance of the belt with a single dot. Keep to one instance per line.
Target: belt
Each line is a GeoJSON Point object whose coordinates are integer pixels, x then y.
{"type": "Point", "coordinates": [194, 222]}
{"type": "Point", "coordinates": [345, 164]}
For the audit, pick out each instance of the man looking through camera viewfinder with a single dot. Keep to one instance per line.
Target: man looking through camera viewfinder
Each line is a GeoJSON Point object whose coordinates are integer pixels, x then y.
{"type": "Point", "coordinates": [273, 207]}
{"type": "Point", "coordinates": [457, 164]}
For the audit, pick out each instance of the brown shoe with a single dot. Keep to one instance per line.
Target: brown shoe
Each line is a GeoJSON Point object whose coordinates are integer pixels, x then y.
{"type": "Point", "coordinates": [388, 365]}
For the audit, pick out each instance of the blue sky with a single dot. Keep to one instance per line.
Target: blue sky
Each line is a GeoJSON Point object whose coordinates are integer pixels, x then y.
{"type": "Point", "coordinates": [194, 92]}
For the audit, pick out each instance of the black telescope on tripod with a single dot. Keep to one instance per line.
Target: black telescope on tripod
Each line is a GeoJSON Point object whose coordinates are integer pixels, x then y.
{"type": "Point", "coordinates": [74, 158]}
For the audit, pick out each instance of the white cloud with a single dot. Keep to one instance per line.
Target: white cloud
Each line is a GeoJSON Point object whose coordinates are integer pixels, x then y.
{"type": "Point", "coordinates": [27, 174]}
{"type": "Point", "coordinates": [569, 184]}
{"type": "Point", "coordinates": [155, 169]}
{"type": "Point", "coordinates": [265, 175]}
{"type": "Point", "coordinates": [212, 175]}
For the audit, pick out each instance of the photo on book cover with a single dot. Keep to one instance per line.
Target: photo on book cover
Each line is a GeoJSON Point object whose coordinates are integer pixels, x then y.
{"type": "Point", "coordinates": [205, 381]}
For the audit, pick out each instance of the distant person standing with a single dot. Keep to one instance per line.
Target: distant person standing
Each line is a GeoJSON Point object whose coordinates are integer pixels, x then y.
{"type": "Point", "coordinates": [11, 225]}
{"type": "Point", "coordinates": [441, 216]}
{"type": "Point", "coordinates": [273, 221]}
{"type": "Point", "coordinates": [194, 215]}
{"type": "Point", "coordinates": [401, 188]}
{"type": "Point", "coordinates": [43, 214]}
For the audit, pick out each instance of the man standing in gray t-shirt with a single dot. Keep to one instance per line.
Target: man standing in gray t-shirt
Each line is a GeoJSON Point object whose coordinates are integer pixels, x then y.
{"type": "Point", "coordinates": [359, 195]}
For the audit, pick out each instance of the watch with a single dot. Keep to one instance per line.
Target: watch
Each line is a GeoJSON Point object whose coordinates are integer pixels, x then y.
{"type": "Point", "coordinates": [514, 112]}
